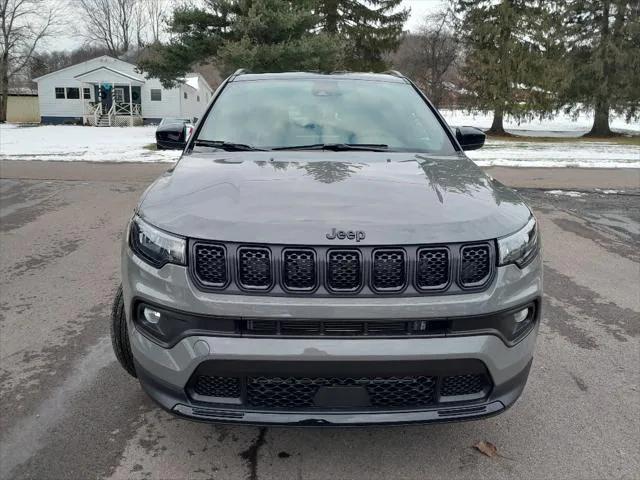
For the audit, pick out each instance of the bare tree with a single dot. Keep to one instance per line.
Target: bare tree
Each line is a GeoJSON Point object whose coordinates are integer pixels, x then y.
{"type": "Point", "coordinates": [109, 23]}
{"type": "Point", "coordinates": [155, 12]}
{"type": "Point", "coordinates": [24, 25]}
{"type": "Point", "coordinates": [430, 55]}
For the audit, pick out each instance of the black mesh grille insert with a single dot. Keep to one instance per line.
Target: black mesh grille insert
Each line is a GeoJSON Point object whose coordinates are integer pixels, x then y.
{"type": "Point", "coordinates": [344, 270]}
{"type": "Point", "coordinates": [254, 268]}
{"type": "Point", "coordinates": [463, 385]}
{"type": "Point", "coordinates": [475, 265]}
{"type": "Point", "coordinates": [432, 268]}
{"type": "Point", "coordinates": [298, 393]}
{"type": "Point", "coordinates": [389, 270]}
{"type": "Point", "coordinates": [299, 271]}
{"type": "Point", "coordinates": [208, 386]}
{"type": "Point", "coordinates": [211, 264]}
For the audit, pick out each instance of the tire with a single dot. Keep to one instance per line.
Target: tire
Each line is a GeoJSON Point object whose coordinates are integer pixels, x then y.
{"type": "Point", "coordinates": [120, 335]}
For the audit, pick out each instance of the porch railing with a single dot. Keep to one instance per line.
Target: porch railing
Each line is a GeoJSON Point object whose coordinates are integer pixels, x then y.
{"type": "Point", "coordinates": [127, 109]}
{"type": "Point", "coordinates": [111, 113]}
{"type": "Point", "coordinates": [97, 112]}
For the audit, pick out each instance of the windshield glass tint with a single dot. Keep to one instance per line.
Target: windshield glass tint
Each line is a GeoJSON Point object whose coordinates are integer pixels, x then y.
{"type": "Point", "coordinates": [286, 113]}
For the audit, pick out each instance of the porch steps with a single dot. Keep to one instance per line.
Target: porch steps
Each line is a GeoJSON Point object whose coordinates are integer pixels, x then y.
{"type": "Point", "coordinates": [103, 121]}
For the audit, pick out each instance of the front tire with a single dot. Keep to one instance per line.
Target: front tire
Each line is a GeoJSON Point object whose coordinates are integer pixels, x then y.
{"type": "Point", "coordinates": [120, 334]}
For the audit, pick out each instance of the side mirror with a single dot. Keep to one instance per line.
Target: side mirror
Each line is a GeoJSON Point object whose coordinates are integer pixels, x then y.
{"type": "Point", "coordinates": [470, 138]}
{"type": "Point", "coordinates": [172, 136]}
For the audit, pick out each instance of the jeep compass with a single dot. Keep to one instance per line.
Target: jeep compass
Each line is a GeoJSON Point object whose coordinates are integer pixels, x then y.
{"type": "Point", "coordinates": [324, 253]}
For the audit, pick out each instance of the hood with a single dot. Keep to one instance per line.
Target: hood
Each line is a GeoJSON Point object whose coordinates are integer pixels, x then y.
{"type": "Point", "coordinates": [299, 197]}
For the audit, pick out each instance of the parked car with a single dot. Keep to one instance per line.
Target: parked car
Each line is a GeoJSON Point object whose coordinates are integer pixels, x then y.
{"type": "Point", "coordinates": [173, 133]}
{"type": "Point", "coordinates": [324, 253]}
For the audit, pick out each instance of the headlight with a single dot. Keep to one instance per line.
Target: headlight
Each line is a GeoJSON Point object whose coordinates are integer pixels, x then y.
{"type": "Point", "coordinates": [155, 246]}
{"type": "Point", "coordinates": [521, 247]}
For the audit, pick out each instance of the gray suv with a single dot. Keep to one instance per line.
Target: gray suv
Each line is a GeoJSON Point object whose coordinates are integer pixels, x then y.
{"type": "Point", "coordinates": [324, 253]}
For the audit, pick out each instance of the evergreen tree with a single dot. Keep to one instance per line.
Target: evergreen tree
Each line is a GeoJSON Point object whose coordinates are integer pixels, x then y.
{"type": "Point", "coordinates": [372, 28]}
{"type": "Point", "coordinates": [261, 35]}
{"type": "Point", "coordinates": [277, 35]}
{"type": "Point", "coordinates": [603, 45]}
{"type": "Point", "coordinates": [196, 35]}
{"type": "Point", "coordinates": [512, 56]}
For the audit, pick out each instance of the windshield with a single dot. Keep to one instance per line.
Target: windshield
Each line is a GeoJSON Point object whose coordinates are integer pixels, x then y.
{"type": "Point", "coordinates": [299, 112]}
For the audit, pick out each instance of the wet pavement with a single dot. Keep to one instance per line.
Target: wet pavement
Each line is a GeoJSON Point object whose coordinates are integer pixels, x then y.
{"type": "Point", "coordinates": [69, 410]}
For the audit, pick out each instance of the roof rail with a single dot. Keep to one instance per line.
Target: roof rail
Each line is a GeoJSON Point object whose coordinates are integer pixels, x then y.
{"type": "Point", "coordinates": [240, 71]}
{"type": "Point", "coordinates": [395, 73]}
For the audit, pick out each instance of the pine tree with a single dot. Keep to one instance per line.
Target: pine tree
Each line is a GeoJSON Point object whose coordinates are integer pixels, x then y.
{"type": "Point", "coordinates": [261, 35]}
{"type": "Point", "coordinates": [372, 28]}
{"type": "Point", "coordinates": [512, 51]}
{"type": "Point", "coordinates": [197, 33]}
{"type": "Point", "coordinates": [279, 35]}
{"type": "Point", "coordinates": [603, 45]}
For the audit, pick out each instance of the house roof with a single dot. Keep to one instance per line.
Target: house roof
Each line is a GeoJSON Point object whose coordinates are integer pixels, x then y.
{"type": "Point", "coordinates": [96, 75]}
{"type": "Point", "coordinates": [76, 64]}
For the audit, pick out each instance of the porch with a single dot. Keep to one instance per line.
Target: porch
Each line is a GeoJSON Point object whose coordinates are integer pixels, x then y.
{"type": "Point", "coordinates": [111, 98]}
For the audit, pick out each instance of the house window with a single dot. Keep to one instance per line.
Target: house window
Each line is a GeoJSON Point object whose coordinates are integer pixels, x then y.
{"type": "Point", "coordinates": [59, 92]}
{"type": "Point", "coordinates": [198, 98]}
{"type": "Point", "coordinates": [156, 95]}
{"type": "Point", "coordinates": [185, 95]}
{"type": "Point", "coordinates": [73, 92]}
{"type": "Point", "coordinates": [86, 93]}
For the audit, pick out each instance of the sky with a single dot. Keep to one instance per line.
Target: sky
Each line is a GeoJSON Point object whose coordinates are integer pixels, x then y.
{"type": "Point", "coordinates": [419, 8]}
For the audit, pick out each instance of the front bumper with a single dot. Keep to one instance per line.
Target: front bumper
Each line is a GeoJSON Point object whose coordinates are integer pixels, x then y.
{"type": "Point", "coordinates": [166, 372]}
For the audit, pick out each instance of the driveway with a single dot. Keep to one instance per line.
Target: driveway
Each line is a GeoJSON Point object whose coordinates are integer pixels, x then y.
{"type": "Point", "coordinates": [69, 410]}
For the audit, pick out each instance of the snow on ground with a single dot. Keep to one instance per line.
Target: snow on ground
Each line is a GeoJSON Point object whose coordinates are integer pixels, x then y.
{"type": "Point", "coordinates": [556, 154]}
{"type": "Point", "coordinates": [72, 142]}
{"type": "Point", "coordinates": [562, 153]}
{"type": "Point", "coordinates": [561, 125]}
{"type": "Point", "coordinates": [567, 193]}
{"type": "Point", "coordinates": [49, 142]}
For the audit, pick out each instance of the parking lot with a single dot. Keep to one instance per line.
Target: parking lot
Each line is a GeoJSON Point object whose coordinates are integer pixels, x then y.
{"type": "Point", "coordinates": [70, 411]}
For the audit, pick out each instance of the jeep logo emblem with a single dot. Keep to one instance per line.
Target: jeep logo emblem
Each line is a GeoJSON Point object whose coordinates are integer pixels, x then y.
{"type": "Point", "coordinates": [341, 235]}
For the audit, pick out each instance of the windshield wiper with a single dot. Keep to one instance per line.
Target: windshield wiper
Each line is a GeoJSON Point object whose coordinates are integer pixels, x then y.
{"type": "Point", "coordinates": [228, 146]}
{"type": "Point", "coordinates": [339, 147]}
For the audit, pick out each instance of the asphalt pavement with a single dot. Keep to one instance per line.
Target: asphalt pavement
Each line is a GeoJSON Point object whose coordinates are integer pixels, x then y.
{"type": "Point", "coordinates": [69, 410]}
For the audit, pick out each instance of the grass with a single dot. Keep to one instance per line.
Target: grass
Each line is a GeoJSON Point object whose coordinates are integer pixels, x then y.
{"type": "Point", "coordinates": [616, 140]}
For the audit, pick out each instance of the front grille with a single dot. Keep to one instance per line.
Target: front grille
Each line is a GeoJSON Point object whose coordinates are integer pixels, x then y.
{"type": "Point", "coordinates": [306, 328]}
{"type": "Point", "coordinates": [462, 385]}
{"type": "Point", "coordinates": [299, 271]}
{"type": "Point", "coordinates": [432, 268]}
{"type": "Point", "coordinates": [344, 270]}
{"type": "Point", "coordinates": [354, 271]}
{"type": "Point", "coordinates": [300, 393]}
{"type": "Point", "coordinates": [389, 270]}
{"type": "Point", "coordinates": [211, 264]}
{"type": "Point", "coordinates": [254, 268]}
{"type": "Point", "coordinates": [208, 386]}
{"type": "Point", "coordinates": [476, 265]}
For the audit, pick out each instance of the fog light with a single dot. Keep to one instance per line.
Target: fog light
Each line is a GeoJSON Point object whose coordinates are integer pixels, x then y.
{"type": "Point", "coordinates": [151, 316]}
{"type": "Point", "coordinates": [521, 316]}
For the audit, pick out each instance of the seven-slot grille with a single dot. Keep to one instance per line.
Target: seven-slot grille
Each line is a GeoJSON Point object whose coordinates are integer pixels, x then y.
{"type": "Point", "coordinates": [352, 271]}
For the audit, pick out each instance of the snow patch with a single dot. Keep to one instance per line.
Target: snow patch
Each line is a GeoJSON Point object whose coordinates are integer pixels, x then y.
{"type": "Point", "coordinates": [567, 193]}
{"type": "Point", "coordinates": [77, 143]}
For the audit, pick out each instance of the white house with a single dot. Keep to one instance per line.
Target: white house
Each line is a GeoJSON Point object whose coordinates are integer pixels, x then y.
{"type": "Point", "coordinates": [106, 91]}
